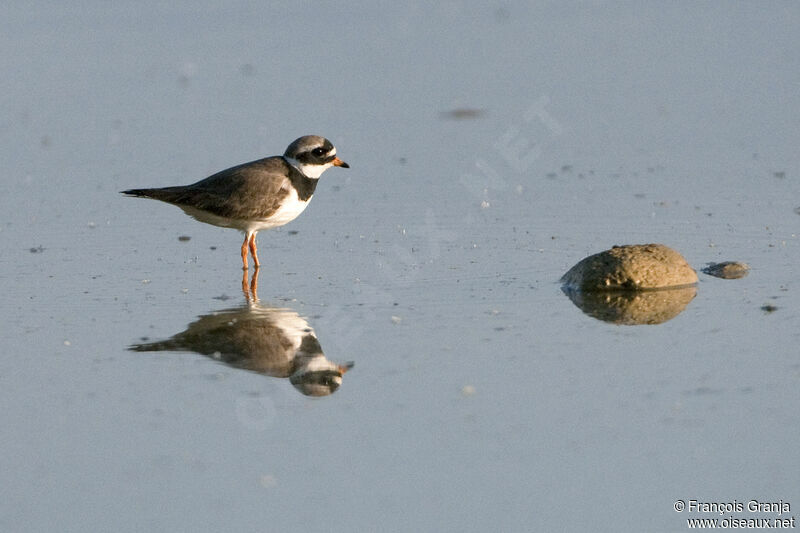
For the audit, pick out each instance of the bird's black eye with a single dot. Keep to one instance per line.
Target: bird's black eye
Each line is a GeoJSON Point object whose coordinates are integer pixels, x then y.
{"type": "Point", "coordinates": [319, 152]}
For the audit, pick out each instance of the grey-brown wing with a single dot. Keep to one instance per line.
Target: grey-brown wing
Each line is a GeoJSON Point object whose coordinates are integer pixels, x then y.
{"type": "Point", "coordinates": [248, 191]}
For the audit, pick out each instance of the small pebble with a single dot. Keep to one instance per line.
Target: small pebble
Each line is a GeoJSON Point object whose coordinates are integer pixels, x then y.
{"type": "Point", "coordinates": [727, 270]}
{"type": "Point", "coordinates": [184, 238]}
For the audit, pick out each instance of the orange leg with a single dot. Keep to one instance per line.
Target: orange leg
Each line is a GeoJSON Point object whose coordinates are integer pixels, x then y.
{"type": "Point", "coordinates": [244, 252]}
{"type": "Point", "coordinates": [254, 249]}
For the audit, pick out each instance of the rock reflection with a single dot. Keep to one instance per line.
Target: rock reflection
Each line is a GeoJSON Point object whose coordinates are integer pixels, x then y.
{"type": "Point", "coordinates": [272, 341]}
{"type": "Point", "coordinates": [632, 307]}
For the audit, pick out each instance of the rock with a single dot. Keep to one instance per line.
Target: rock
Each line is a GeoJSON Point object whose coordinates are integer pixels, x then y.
{"type": "Point", "coordinates": [727, 270]}
{"type": "Point", "coordinates": [631, 267]}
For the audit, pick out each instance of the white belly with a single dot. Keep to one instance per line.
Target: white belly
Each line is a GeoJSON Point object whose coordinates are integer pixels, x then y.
{"type": "Point", "coordinates": [292, 206]}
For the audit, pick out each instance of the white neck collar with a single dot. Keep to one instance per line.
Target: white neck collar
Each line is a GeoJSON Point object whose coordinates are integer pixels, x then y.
{"type": "Point", "coordinates": [309, 171]}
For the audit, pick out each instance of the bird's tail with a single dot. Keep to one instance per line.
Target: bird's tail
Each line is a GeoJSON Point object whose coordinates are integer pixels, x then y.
{"type": "Point", "coordinates": [165, 194]}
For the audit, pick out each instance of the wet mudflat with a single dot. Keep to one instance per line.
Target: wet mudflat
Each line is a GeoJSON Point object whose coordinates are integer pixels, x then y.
{"type": "Point", "coordinates": [516, 142]}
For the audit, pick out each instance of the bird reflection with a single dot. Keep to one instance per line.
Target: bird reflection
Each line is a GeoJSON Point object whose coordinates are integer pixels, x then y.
{"type": "Point", "coordinates": [268, 340]}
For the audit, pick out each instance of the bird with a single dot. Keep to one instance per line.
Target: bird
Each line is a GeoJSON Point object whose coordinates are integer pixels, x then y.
{"type": "Point", "coordinates": [254, 196]}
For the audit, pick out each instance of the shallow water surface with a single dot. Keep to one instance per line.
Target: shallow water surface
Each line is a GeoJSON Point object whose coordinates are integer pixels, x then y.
{"type": "Point", "coordinates": [480, 397]}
